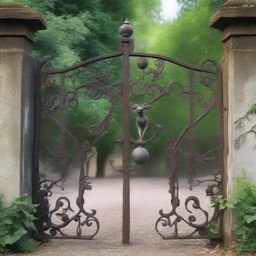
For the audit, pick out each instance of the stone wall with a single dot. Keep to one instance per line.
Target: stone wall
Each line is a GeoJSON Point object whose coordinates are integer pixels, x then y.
{"type": "Point", "coordinates": [237, 21]}
{"type": "Point", "coordinates": [17, 81]}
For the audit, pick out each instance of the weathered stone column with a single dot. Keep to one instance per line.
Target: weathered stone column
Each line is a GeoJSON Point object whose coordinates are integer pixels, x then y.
{"type": "Point", "coordinates": [237, 21]}
{"type": "Point", "coordinates": [17, 72]}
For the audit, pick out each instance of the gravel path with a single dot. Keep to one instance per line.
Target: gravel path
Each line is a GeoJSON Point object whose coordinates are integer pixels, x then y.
{"type": "Point", "coordinates": [148, 196]}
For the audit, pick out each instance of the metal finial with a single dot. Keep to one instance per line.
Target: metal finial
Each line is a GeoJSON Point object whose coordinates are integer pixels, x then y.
{"type": "Point", "coordinates": [126, 29]}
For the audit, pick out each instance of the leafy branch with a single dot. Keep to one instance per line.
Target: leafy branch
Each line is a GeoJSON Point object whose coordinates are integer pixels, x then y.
{"type": "Point", "coordinates": [243, 201]}
{"type": "Point", "coordinates": [16, 221]}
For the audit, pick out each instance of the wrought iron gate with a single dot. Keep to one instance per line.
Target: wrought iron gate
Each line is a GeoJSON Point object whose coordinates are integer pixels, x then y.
{"type": "Point", "coordinates": [63, 90]}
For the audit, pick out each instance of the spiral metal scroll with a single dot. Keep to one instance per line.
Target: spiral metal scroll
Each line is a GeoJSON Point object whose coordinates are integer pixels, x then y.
{"type": "Point", "coordinates": [150, 86]}
{"type": "Point", "coordinates": [167, 224]}
{"type": "Point", "coordinates": [65, 92]}
{"type": "Point", "coordinates": [63, 89]}
{"type": "Point", "coordinates": [149, 83]}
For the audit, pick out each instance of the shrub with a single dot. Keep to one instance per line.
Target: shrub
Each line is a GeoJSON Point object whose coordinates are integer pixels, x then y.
{"type": "Point", "coordinates": [16, 221]}
{"type": "Point", "coordinates": [243, 201]}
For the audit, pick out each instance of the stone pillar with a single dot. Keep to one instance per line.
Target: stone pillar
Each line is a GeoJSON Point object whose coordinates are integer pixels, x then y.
{"type": "Point", "coordinates": [236, 20]}
{"type": "Point", "coordinates": [18, 25]}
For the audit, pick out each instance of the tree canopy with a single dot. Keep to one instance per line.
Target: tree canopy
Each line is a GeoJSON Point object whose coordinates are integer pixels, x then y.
{"type": "Point", "coordinates": [190, 4]}
{"type": "Point", "coordinates": [80, 29]}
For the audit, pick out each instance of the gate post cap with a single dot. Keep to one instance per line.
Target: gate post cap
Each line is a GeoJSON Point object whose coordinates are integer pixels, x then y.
{"type": "Point", "coordinates": [234, 11]}
{"type": "Point", "coordinates": [235, 18]}
{"type": "Point", "coordinates": [18, 20]}
{"type": "Point", "coordinates": [11, 11]}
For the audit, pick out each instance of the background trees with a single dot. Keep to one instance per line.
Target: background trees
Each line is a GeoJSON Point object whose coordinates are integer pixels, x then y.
{"type": "Point", "coordinates": [81, 29]}
{"type": "Point", "coordinates": [187, 38]}
{"type": "Point", "coordinates": [190, 4]}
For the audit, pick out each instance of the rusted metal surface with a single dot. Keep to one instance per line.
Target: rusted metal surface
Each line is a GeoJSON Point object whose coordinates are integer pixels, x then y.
{"type": "Point", "coordinates": [177, 62]}
{"type": "Point", "coordinates": [54, 106]}
{"type": "Point", "coordinates": [172, 219]}
{"type": "Point", "coordinates": [125, 45]}
{"type": "Point", "coordinates": [63, 93]}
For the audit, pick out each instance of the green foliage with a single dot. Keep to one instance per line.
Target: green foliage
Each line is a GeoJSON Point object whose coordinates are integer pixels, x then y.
{"type": "Point", "coordinates": [189, 39]}
{"type": "Point", "coordinates": [243, 201]}
{"type": "Point", "coordinates": [80, 29]}
{"type": "Point", "coordinates": [252, 109]}
{"type": "Point", "coordinates": [186, 4]}
{"type": "Point", "coordinates": [222, 202]}
{"type": "Point", "coordinates": [189, 4]}
{"type": "Point", "coordinates": [213, 228]}
{"type": "Point", "coordinates": [15, 222]}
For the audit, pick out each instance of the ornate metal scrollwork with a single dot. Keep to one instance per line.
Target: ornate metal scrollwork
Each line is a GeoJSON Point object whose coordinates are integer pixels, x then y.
{"type": "Point", "coordinates": [173, 219]}
{"type": "Point", "coordinates": [66, 90]}
{"type": "Point", "coordinates": [149, 83]}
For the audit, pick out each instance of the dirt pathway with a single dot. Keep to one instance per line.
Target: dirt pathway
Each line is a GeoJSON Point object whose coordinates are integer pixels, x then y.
{"type": "Point", "coordinates": [148, 196]}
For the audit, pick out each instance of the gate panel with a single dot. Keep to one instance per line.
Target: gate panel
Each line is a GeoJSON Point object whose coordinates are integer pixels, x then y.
{"type": "Point", "coordinates": [195, 171]}
{"type": "Point", "coordinates": [67, 149]}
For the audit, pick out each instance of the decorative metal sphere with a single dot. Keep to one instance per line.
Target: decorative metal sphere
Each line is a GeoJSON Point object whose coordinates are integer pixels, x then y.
{"type": "Point", "coordinates": [142, 63]}
{"type": "Point", "coordinates": [126, 29]}
{"type": "Point", "coordinates": [140, 155]}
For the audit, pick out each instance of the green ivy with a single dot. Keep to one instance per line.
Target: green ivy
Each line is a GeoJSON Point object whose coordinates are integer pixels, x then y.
{"type": "Point", "coordinates": [243, 201]}
{"type": "Point", "coordinates": [252, 109]}
{"type": "Point", "coordinates": [16, 221]}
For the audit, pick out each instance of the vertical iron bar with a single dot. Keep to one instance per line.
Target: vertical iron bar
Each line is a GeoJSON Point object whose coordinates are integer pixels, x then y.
{"type": "Point", "coordinates": [192, 130]}
{"type": "Point", "coordinates": [126, 142]}
{"type": "Point", "coordinates": [62, 143]}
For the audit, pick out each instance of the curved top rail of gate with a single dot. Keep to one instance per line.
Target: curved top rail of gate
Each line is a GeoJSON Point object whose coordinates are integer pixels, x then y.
{"type": "Point", "coordinates": [133, 54]}
{"type": "Point", "coordinates": [123, 31]}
